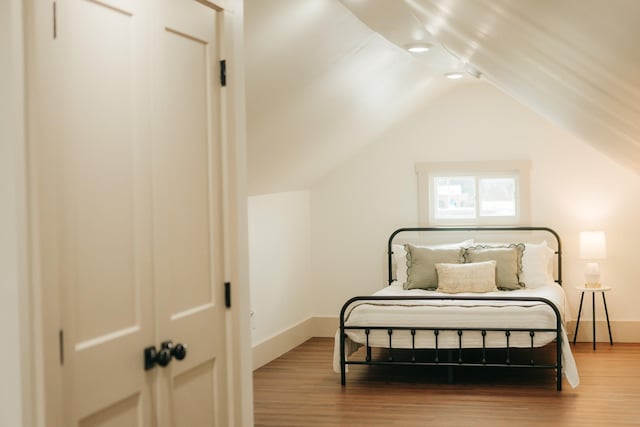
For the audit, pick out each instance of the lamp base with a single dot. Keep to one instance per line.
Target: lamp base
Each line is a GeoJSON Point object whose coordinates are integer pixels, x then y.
{"type": "Point", "coordinates": [592, 275]}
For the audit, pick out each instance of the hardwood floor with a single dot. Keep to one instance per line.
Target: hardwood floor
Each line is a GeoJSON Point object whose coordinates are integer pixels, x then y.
{"type": "Point", "coordinates": [300, 389]}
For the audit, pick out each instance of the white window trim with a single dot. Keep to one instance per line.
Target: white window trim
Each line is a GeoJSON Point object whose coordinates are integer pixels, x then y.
{"type": "Point", "coordinates": [519, 168]}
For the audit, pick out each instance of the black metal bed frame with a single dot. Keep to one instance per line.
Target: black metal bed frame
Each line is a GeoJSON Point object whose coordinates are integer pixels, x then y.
{"type": "Point", "coordinates": [436, 331]}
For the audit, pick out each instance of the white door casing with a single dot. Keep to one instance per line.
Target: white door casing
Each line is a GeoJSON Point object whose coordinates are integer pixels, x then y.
{"type": "Point", "coordinates": [126, 200]}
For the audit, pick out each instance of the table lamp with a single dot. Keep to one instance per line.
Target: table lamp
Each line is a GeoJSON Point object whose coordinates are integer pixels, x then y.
{"type": "Point", "coordinates": [593, 246]}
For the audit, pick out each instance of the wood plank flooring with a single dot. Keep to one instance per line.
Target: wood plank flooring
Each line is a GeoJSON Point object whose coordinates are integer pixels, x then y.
{"type": "Point", "coordinates": [300, 389]}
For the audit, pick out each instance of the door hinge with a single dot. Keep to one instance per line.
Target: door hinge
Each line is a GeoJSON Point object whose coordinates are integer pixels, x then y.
{"type": "Point", "coordinates": [223, 72]}
{"type": "Point", "coordinates": [227, 294]}
{"type": "Point", "coordinates": [61, 344]}
{"type": "Point", "coordinates": [55, 21]}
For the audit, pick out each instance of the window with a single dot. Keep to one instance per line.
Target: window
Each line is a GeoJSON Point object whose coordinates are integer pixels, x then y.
{"type": "Point", "coordinates": [473, 193]}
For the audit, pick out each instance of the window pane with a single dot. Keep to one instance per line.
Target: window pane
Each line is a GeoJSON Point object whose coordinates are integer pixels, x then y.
{"type": "Point", "coordinates": [455, 197]}
{"type": "Point", "coordinates": [497, 196]}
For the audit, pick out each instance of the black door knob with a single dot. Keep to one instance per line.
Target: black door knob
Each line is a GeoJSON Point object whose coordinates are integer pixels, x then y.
{"type": "Point", "coordinates": [163, 358]}
{"type": "Point", "coordinates": [179, 351]}
{"type": "Point", "coordinates": [153, 357]}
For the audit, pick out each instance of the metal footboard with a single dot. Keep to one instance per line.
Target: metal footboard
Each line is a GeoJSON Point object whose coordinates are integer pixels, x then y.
{"type": "Point", "coordinates": [435, 331]}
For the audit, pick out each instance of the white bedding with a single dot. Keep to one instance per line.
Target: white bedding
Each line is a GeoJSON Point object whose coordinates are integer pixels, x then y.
{"type": "Point", "coordinates": [458, 314]}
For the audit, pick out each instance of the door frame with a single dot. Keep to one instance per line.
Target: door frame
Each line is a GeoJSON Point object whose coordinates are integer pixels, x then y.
{"type": "Point", "coordinates": [39, 319]}
{"type": "Point", "coordinates": [17, 405]}
{"type": "Point", "coordinates": [235, 196]}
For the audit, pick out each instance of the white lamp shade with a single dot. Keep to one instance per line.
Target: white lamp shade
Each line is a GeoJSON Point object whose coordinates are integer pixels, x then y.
{"type": "Point", "coordinates": [593, 245]}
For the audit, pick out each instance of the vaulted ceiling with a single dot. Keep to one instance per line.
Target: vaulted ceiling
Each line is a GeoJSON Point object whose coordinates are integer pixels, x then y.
{"type": "Point", "coordinates": [325, 76]}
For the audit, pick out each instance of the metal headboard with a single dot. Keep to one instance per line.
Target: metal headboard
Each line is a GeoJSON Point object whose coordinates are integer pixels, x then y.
{"type": "Point", "coordinates": [550, 231]}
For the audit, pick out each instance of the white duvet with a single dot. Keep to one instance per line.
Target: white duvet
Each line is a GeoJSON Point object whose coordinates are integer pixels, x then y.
{"type": "Point", "coordinates": [458, 314]}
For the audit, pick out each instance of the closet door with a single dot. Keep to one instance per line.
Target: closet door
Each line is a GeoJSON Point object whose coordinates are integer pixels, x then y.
{"type": "Point", "coordinates": [98, 238]}
{"type": "Point", "coordinates": [127, 203]}
{"type": "Point", "coordinates": [187, 190]}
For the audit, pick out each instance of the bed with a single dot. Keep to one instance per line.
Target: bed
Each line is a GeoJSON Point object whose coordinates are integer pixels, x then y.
{"type": "Point", "coordinates": [465, 296]}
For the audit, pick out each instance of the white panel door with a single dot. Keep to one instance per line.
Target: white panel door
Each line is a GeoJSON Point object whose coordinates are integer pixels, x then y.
{"type": "Point", "coordinates": [104, 209]}
{"type": "Point", "coordinates": [187, 190]}
{"type": "Point", "coordinates": [127, 184]}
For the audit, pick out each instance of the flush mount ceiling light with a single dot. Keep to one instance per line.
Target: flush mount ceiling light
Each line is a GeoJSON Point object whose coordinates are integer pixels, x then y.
{"type": "Point", "coordinates": [418, 47]}
{"type": "Point", "coordinates": [472, 71]}
{"type": "Point", "coordinates": [454, 75]}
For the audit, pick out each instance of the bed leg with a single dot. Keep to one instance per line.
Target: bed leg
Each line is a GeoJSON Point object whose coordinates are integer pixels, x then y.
{"type": "Point", "coordinates": [343, 365]}
{"type": "Point", "coordinates": [559, 338]}
{"type": "Point", "coordinates": [559, 370]}
{"type": "Point", "coordinates": [450, 368]}
{"type": "Point", "coordinates": [559, 380]}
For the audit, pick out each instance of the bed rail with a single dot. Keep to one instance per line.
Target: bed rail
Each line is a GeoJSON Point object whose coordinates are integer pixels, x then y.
{"type": "Point", "coordinates": [460, 361]}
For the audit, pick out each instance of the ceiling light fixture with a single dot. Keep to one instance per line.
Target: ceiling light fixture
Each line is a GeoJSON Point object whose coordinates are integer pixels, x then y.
{"type": "Point", "coordinates": [472, 71]}
{"type": "Point", "coordinates": [454, 75]}
{"type": "Point", "coordinates": [419, 47]}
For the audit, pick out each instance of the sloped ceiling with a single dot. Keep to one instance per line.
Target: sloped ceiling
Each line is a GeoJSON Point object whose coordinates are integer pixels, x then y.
{"type": "Point", "coordinates": [577, 62]}
{"type": "Point", "coordinates": [325, 76]}
{"type": "Point", "coordinates": [320, 85]}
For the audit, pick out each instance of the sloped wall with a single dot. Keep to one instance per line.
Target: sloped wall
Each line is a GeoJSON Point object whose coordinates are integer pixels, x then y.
{"type": "Point", "coordinates": [320, 86]}
{"type": "Point", "coordinates": [573, 188]}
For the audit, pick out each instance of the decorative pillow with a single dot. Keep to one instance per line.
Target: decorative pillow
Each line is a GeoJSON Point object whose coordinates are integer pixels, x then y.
{"type": "Point", "coordinates": [421, 265]}
{"type": "Point", "coordinates": [399, 258]}
{"type": "Point", "coordinates": [508, 262]}
{"type": "Point", "coordinates": [470, 277]}
{"type": "Point", "coordinates": [537, 265]}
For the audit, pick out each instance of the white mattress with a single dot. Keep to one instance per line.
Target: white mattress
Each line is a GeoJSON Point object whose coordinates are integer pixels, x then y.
{"type": "Point", "coordinates": [459, 314]}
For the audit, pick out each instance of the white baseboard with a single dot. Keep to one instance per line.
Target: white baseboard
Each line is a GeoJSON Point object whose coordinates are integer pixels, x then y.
{"type": "Point", "coordinates": [325, 326]}
{"type": "Point", "coordinates": [274, 347]}
{"type": "Point", "coordinates": [277, 345]}
{"type": "Point", "coordinates": [621, 331]}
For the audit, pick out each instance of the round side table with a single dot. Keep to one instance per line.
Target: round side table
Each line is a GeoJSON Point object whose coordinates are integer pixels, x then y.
{"type": "Point", "coordinates": [593, 291]}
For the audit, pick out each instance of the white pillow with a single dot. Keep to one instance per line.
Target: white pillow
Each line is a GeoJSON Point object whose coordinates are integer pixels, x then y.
{"type": "Point", "coordinates": [478, 277]}
{"type": "Point", "coordinates": [399, 259]}
{"type": "Point", "coordinates": [537, 265]}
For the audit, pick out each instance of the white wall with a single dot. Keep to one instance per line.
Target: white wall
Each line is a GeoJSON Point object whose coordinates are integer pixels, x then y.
{"type": "Point", "coordinates": [573, 188]}
{"type": "Point", "coordinates": [11, 213]}
{"type": "Point", "coordinates": [279, 262]}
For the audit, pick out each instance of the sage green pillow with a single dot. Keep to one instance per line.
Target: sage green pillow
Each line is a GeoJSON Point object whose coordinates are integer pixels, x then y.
{"type": "Point", "coordinates": [508, 262]}
{"type": "Point", "coordinates": [421, 265]}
